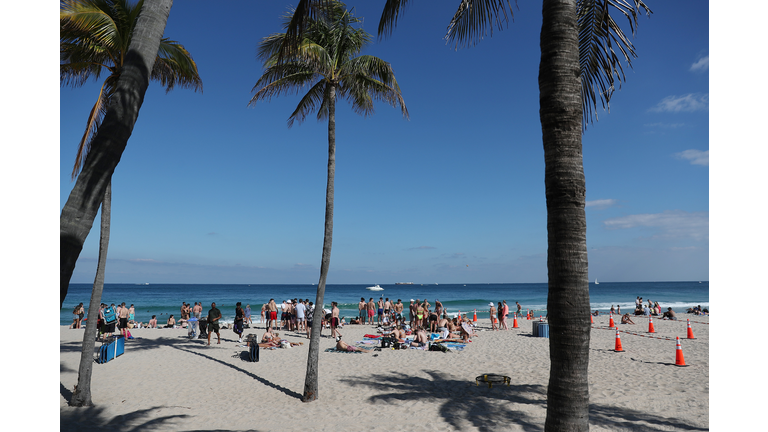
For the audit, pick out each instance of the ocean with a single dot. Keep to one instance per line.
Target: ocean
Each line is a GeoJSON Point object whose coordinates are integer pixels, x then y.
{"type": "Point", "coordinates": [165, 299]}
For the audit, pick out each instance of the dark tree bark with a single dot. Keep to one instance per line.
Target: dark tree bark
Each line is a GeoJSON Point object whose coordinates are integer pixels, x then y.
{"type": "Point", "coordinates": [82, 394]}
{"type": "Point", "coordinates": [568, 298]}
{"type": "Point", "coordinates": [109, 143]}
{"type": "Point", "coordinates": [311, 380]}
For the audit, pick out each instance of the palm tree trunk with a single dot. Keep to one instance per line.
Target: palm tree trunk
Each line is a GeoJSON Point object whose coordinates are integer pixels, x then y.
{"type": "Point", "coordinates": [310, 382]}
{"type": "Point", "coordinates": [568, 297]}
{"type": "Point", "coordinates": [82, 394]}
{"type": "Point", "coordinates": [109, 143]}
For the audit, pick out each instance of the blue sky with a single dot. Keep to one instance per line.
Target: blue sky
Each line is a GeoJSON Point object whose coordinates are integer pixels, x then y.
{"type": "Point", "coordinates": [212, 191]}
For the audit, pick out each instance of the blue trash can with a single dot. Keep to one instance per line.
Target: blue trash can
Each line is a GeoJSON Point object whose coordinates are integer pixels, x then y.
{"type": "Point", "coordinates": [535, 328]}
{"type": "Point", "coordinates": [543, 330]}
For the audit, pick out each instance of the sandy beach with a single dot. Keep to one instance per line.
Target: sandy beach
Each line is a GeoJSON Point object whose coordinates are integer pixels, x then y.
{"type": "Point", "coordinates": [165, 381]}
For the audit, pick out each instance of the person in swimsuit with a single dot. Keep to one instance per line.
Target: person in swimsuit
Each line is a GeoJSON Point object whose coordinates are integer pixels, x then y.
{"type": "Point", "coordinates": [334, 320]}
{"type": "Point", "coordinates": [492, 312]}
{"type": "Point", "coordinates": [362, 310]}
{"type": "Point", "coordinates": [371, 309]}
{"type": "Point", "coordinates": [248, 314]}
{"type": "Point", "coordinates": [421, 338]}
{"type": "Point", "coordinates": [343, 346]}
{"type": "Point", "coordinates": [399, 312]}
{"type": "Point", "coordinates": [380, 310]}
{"type": "Point", "coordinates": [419, 313]}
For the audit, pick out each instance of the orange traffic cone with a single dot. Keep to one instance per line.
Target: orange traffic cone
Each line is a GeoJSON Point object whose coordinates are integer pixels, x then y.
{"type": "Point", "coordinates": [679, 359]}
{"type": "Point", "coordinates": [591, 319]}
{"type": "Point", "coordinates": [618, 342]}
{"type": "Point", "coordinates": [610, 322]}
{"type": "Point", "coordinates": [650, 325]}
{"type": "Point", "coordinates": [514, 322]}
{"type": "Point", "coordinates": [690, 331]}
{"type": "Point", "coordinates": [474, 317]}
{"type": "Point", "coordinates": [528, 314]}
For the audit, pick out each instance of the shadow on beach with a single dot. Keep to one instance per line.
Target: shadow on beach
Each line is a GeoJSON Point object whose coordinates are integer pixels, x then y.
{"type": "Point", "coordinates": [487, 409]}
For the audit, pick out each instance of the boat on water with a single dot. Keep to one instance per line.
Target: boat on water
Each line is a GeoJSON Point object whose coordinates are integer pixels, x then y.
{"type": "Point", "coordinates": [403, 283]}
{"type": "Point", "coordinates": [375, 288]}
{"type": "Point", "coordinates": [596, 282]}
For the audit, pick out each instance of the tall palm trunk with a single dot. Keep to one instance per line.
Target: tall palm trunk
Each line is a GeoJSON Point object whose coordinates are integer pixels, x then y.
{"type": "Point", "coordinates": [568, 298]}
{"type": "Point", "coordinates": [310, 382]}
{"type": "Point", "coordinates": [82, 394]}
{"type": "Point", "coordinates": [109, 143]}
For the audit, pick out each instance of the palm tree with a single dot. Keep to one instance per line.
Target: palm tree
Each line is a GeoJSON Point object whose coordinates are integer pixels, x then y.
{"type": "Point", "coordinates": [578, 66]}
{"type": "Point", "coordinates": [99, 35]}
{"type": "Point", "coordinates": [326, 61]}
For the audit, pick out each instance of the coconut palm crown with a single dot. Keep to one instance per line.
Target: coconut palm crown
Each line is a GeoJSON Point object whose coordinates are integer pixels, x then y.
{"type": "Point", "coordinates": [326, 57]}
{"type": "Point", "coordinates": [94, 39]}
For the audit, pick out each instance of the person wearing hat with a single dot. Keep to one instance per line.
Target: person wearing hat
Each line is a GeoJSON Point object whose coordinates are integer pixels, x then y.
{"type": "Point", "coordinates": [492, 311]}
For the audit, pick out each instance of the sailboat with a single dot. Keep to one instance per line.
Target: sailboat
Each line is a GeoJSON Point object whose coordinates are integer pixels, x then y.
{"type": "Point", "coordinates": [596, 282]}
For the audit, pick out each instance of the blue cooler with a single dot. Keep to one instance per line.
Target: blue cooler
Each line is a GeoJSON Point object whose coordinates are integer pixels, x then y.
{"type": "Point", "coordinates": [543, 330]}
{"type": "Point", "coordinates": [535, 329]}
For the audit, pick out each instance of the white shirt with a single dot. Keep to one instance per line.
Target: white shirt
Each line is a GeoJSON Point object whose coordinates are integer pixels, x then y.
{"type": "Point", "coordinates": [300, 310]}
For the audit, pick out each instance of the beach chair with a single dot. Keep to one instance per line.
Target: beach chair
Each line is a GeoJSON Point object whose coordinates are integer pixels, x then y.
{"type": "Point", "coordinates": [111, 349]}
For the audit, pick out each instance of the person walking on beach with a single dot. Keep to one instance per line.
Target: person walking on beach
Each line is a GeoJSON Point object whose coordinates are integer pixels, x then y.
{"type": "Point", "coordinates": [492, 312]}
{"type": "Point", "coordinates": [239, 321]}
{"type": "Point", "coordinates": [519, 309]}
{"type": "Point", "coordinates": [214, 315]}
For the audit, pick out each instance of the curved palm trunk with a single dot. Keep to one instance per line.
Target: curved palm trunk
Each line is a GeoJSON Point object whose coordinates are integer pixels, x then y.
{"type": "Point", "coordinates": [82, 394]}
{"type": "Point", "coordinates": [109, 143]}
{"type": "Point", "coordinates": [568, 298]}
{"type": "Point", "coordinates": [310, 382]}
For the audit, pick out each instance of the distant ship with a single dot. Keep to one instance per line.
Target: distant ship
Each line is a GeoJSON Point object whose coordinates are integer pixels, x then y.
{"type": "Point", "coordinates": [403, 283]}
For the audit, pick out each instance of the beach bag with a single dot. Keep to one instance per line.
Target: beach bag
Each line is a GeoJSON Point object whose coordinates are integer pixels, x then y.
{"type": "Point", "coordinates": [109, 315]}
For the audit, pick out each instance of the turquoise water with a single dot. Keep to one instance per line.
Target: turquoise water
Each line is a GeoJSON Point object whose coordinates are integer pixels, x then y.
{"type": "Point", "coordinates": [165, 299]}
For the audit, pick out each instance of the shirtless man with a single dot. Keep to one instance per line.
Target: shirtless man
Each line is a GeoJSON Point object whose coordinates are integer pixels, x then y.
{"type": "Point", "coordinates": [272, 310]}
{"type": "Point", "coordinates": [492, 311]}
{"type": "Point", "coordinates": [362, 310]}
{"type": "Point", "coordinates": [197, 311]}
{"type": "Point", "coordinates": [123, 320]}
{"type": "Point", "coordinates": [387, 308]}
{"type": "Point", "coordinates": [399, 312]}
{"type": "Point", "coordinates": [411, 313]}
{"type": "Point", "coordinates": [371, 310]}
{"type": "Point", "coordinates": [380, 310]}
{"type": "Point", "coordinates": [335, 320]}
{"type": "Point", "coordinates": [153, 322]}
{"type": "Point", "coordinates": [670, 314]}
{"type": "Point", "coordinates": [625, 319]}
{"type": "Point", "coordinates": [442, 327]}
{"type": "Point", "coordinates": [343, 346]}
{"type": "Point", "coordinates": [438, 307]}
{"type": "Point", "coordinates": [421, 338]}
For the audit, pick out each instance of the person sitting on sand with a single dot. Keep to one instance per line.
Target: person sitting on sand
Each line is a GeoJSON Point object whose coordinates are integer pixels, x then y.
{"type": "Point", "coordinates": [669, 314]}
{"type": "Point", "coordinates": [171, 322]}
{"type": "Point", "coordinates": [596, 312]}
{"type": "Point", "coordinates": [269, 336]}
{"type": "Point", "coordinates": [625, 319]}
{"type": "Point", "coordinates": [421, 338]}
{"type": "Point", "coordinates": [343, 346]}
{"type": "Point", "coordinates": [153, 322]}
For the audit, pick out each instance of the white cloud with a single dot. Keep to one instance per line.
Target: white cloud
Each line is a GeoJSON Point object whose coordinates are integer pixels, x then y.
{"type": "Point", "coordinates": [601, 204]}
{"type": "Point", "coordinates": [696, 157]}
{"type": "Point", "coordinates": [701, 64]}
{"type": "Point", "coordinates": [685, 103]}
{"type": "Point", "coordinates": [669, 224]}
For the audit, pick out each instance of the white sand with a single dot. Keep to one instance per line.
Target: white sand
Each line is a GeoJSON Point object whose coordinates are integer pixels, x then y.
{"type": "Point", "coordinates": [165, 381]}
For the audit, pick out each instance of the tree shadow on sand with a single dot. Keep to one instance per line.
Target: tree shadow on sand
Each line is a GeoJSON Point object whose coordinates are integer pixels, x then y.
{"type": "Point", "coordinates": [91, 419]}
{"type": "Point", "coordinates": [488, 409]}
{"type": "Point", "coordinates": [245, 372]}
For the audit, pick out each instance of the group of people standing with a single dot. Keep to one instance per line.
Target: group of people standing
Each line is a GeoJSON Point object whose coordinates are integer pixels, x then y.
{"type": "Point", "coordinates": [499, 315]}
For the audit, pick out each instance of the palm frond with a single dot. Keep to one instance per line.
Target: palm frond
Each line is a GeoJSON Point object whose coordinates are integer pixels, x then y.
{"type": "Point", "coordinates": [599, 38]}
{"type": "Point", "coordinates": [283, 78]}
{"type": "Point", "coordinates": [175, 66]}
{"type": "Point", "coordinates": [476, 17]}
{"type": "Point", "coordinates": [310, 102]}
{"type": "Point", "coordinates": [389, 16]}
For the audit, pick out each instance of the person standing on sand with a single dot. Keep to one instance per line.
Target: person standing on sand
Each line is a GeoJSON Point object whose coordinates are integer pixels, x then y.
{"type": "Point", "coordinates": [504, 313]}
{"type": "Point", "coordinates": [335, 320]}
{"type": "Point", "coordinates": [411, 314]}
{"type": "Point", "coordinates": [519, 309]}
{"type": "Point", "coordinates": [123, 315]}
{"type": "Point", "coordinates": [379, 310]}
{"type": "Point", "coordinates": [248, 314]}
{"type": "Point", "coordinates": [399, 312]}
{"type": "Point", "coordinates": [310, 316]}
{"type": "Point", "coordinates": [272, 310]}
{"type": "Point", "coordinates": [362, 310]}
{"type": "Point", "coordinates": [492, 312]}
{"type": "Point", "coordinates": [264, 317]}
{"type": "Point", "coordinates": [371, 310]}
{"type": "Point", "coordinates": [301, 312]}
{"type": "Point", "coordinates": [214, 315]}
